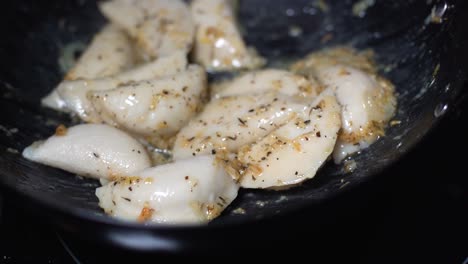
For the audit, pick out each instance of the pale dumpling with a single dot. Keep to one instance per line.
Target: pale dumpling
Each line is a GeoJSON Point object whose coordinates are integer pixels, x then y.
{"type": "Point", "coordinates": [91, 150]}
{"type": "Point", "coordinates": [368, 100]}
{"type": "Point", "coordinates": [110, 52]}
{"type": "Point", "coordinates": [276, 80]}
{"type": "Point", "coordinates": [233, 121]}
{"type": "Point", "coordinates": [295, 151]}
{"type": "Point", "coordinates": [159, 27]}
{"type": "Point", "coordinates": [74, 93]}
{"type": "Point", "coordinates": [190, 191]}
{"type": "Point", "coordinates": [155, 109]}
{"type": "Point", "coordinates": [218, 43]}
{"type": "Point", "coordinates": [367, 105]}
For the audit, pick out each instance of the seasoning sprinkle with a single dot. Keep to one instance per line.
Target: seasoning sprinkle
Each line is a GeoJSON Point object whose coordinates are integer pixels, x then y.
{"type": "Point", "coordinates": [243, 122]}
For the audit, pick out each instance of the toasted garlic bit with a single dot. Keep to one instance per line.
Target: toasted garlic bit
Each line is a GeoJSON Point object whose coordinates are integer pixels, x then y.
{"type": "Point", "coordinates": [280, 81]}
{"type": "Point", "coordinates": [155, 109]}
{"type": "Point", "coordinates": [74, 93]}
{"type": "Point", "coordinates": [368, 100]}
{"type": "Point", "coordinates": [294, 152]}
{"type": "Point", "coordinates": [160, 27]}
{"type": "Point", "coordinates": [368, 103]}
{"type": "Point", "coordinates": [189, 191]}
{"type": "Point", "coordinates": [218, 43]}
{"type": "Point", "coordinates": [231, 122]}
{"type": "Point", "coordinates": [95, 151]}
{"type": "Point", "coordinates": [109, 53]}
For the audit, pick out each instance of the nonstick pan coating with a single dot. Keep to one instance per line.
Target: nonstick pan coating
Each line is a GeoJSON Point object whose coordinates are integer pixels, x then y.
{"type": "Point", "coordinates": [422, 55]}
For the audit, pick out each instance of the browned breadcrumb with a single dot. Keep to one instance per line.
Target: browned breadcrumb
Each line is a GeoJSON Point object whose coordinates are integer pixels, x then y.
{"type": "Point", "coordinates": [214, 33]}
{"type": "Point", "coordinates": [61, 130]}
{"type": "Point", "coordinates": [213, 211]}
{"type": "Point", "coordinates": [145, 214]}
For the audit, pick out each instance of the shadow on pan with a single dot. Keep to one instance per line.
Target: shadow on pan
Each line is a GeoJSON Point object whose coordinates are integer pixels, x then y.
{"type": "Point", "coordinates": [418, 46]}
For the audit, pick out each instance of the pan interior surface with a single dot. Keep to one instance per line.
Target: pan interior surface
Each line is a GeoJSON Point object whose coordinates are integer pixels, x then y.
{"type": "Point", "coordinates": [415, 42]}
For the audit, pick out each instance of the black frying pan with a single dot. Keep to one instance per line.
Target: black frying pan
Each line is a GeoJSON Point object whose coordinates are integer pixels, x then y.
{"type": "Point", "coordinates": [419, 45]}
